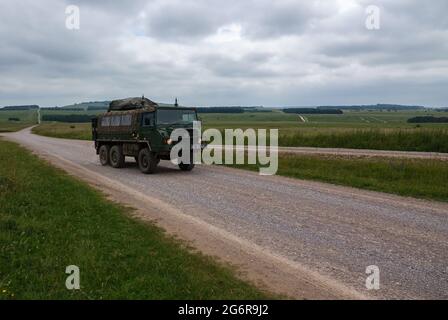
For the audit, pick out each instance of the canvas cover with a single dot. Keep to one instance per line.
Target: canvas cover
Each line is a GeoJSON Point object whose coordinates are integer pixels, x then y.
{"type": "Point", "coordinates": [131, 104]}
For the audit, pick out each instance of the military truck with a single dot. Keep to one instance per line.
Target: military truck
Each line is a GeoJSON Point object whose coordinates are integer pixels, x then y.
{"type": "Point", "coordinates": [140, 128]}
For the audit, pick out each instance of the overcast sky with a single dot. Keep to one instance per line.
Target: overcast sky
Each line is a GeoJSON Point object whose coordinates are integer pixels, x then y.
{"type": "Point", "coordinates": [233, 52]}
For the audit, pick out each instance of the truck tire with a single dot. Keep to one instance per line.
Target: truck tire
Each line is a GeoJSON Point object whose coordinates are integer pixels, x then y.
{"type": "Point", "coordinates": [147, 161]}
{"type": "Point", "coordinates": [104, 155]}
{"type": "Point", "coordinates": [116, 156]}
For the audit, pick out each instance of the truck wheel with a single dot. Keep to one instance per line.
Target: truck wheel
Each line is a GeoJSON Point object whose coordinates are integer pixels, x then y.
{"type": "Point", "coordinates": [116, 156]}
{"type": "Point", "coordinates": [147, 161]}
{"type": "Point", "coordinates": [104, 155]}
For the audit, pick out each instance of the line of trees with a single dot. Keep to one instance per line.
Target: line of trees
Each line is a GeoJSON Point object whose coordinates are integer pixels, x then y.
{"type": "Point", "coordinates": [71, 118]}
{"type": "Point", "coordinates": [64, 109]}
{"type": "Point", "coordinates": [220, 110]}
{"type": "Point", "coordinates": [312, 111]}
{"type": "Point", "coordinates": [25, 107]}
{"type": "Point", "coordinates": [97, 108]}
{"type": "Point", "coordinates": [381, 106]}
{"type": "Point", "coordinates": [428, 119]}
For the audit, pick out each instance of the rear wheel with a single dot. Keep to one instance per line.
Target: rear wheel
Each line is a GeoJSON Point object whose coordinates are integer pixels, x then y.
{"type": "Point", "coordinates": [116, 156]}
{"type": "Point", "coordinates": [147, 161]}
{"type": "Point", "coordinates": [104, 155]}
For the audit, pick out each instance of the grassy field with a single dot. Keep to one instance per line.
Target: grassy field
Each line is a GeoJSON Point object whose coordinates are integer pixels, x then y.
{"type": "Point", "coordinates": [419, 139]}
{"type": "Point", "coordinates": [425, 179]}
{"type": "Point", "coordinates": [80, 131]}
{"type": "Point", "coordinates": [49, 220]}
{"type": "Point", "coordinates": [357, 130]}
{"type": "Point", "coordinates": [26, 119]}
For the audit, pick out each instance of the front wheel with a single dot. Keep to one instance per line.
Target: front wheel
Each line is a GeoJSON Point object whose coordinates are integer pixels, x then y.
{"type": "Point", "coordinates": [147, 161]}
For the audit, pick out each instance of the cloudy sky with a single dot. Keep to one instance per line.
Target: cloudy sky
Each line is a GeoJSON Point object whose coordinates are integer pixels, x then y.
{"type": "Point", "coordinates": [234, 52]}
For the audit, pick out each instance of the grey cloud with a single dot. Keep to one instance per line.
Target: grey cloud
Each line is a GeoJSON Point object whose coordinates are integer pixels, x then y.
{"type": "Point", "coordinates": [289, 52]}
{"type": "Point", "coordinates": [251, 65]}
{"type": "Point", "coordinates": [180, 20]}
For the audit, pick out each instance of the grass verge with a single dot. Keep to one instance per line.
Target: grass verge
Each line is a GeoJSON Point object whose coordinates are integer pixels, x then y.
{"type": "Point", "coordinates": [418, 178]}
{"type": "Point", "coordinates": [49, 220]}
{"type": "Point", "coordinates": [408, 177]}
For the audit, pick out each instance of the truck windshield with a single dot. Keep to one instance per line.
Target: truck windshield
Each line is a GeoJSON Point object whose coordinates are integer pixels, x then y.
{"type": "Point", "coordinates": [166, 116]}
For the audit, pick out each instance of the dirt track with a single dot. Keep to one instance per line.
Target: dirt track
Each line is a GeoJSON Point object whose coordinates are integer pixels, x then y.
{"type": "Point", "coordinates": [304, 239]}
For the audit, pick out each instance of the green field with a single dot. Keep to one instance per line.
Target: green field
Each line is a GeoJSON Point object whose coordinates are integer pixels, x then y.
{"type": "Point", "coordinates": [49, 220]}
{"type": "Point", "coordinates": [348, 120]}
{"type": "Point", "coordinates": [426, 179]}
{"type": "Point", "coordinates": [26, 119]}
{"type": "Point", "coordinates": [80, 131]}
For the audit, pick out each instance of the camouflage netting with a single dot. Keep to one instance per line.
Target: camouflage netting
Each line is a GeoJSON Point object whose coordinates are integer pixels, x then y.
{"type": "Point", "coordinates": [132, 103]}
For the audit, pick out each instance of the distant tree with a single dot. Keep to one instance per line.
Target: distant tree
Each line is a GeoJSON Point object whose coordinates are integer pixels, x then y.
{"type": "Point", "coordinates": [312, 111]}
{"type": "Point", "coordinates": [70, 118]}
{"type": "Point", "coordinates": [220, 110]}
{"type": "Point", "coordinates": [428, 119]}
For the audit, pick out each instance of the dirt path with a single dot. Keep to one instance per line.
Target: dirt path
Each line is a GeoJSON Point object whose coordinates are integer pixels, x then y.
{"type": "Point", "coordinates": [300, 238]}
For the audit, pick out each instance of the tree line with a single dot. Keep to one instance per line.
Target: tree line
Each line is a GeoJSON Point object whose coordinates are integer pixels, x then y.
{"type": "Point", "coordinates": [428, 119]}
{"type": "Point", "coordinates": [312, 111]}
{"type": "Point", "coordinates": [71, 118]}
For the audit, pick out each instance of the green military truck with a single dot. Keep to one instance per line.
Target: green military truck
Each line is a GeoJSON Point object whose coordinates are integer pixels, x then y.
{"type": "Point", "coordinates": [140, 128]}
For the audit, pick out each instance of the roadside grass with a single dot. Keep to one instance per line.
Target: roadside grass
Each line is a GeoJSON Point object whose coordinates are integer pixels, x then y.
{"type": "Point", "coordinates": [79, 131]}
{"type": "Point", "coordinates": [49, 220]}
{"type": "Point", "coordinates": [426, 179]}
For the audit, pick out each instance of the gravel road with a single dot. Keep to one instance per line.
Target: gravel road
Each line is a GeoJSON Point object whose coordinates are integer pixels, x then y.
{"type": "Point", "coordinates": [326, 235]}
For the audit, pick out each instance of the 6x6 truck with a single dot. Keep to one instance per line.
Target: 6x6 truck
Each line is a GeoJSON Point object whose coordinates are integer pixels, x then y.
{"type": "Point", "coordinates": [140, 128]}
